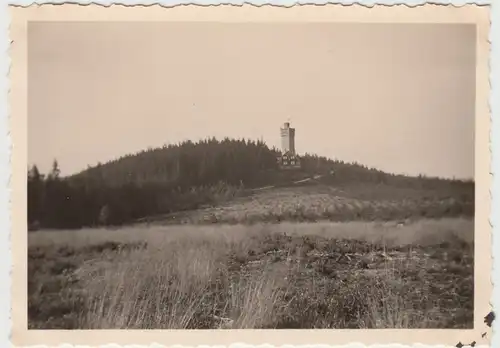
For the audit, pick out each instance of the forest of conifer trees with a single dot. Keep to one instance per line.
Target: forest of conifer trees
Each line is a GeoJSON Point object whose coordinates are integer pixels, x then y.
{"type": "Point", "coordinates": [182, 177]}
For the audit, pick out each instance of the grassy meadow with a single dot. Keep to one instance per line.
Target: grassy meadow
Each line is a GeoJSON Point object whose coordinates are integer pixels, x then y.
{"type": "Point", "coordinates": [290, 275]}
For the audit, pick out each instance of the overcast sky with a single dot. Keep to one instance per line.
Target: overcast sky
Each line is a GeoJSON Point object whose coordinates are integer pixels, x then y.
{"type": "Point", "coordinates": [400, 97]}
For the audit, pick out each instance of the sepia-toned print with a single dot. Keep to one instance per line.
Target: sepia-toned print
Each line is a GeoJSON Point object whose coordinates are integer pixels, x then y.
{"type": "Point", "coordinates": [226, 175]}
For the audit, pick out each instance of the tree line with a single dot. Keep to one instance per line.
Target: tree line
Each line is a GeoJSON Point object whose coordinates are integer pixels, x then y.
{"type": "Point", "coordinates": [181, 177]}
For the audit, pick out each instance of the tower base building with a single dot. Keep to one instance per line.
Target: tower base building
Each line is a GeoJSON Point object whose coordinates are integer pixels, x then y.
{"type": "Point", "coordinates": [288, 158]}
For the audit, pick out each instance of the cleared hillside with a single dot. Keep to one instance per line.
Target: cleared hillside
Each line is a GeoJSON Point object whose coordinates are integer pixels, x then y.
{"type": "Point", "coordinates": [318, 202]}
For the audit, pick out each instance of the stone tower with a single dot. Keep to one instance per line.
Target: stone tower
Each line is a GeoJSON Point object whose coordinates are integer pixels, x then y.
{"type": "Point", "coordinates": [288, 139]}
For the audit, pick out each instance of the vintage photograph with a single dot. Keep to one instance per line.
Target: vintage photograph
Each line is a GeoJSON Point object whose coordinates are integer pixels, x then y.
{"type": "Point", "coordinates": [251, 175]}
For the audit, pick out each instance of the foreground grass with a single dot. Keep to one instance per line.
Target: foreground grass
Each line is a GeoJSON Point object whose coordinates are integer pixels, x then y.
{"type": "Point", "coordinates": [322, 275]}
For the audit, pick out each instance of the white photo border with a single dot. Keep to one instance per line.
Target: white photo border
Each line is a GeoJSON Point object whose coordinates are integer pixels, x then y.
{"type": "Point", "coordinates": [6, 141]}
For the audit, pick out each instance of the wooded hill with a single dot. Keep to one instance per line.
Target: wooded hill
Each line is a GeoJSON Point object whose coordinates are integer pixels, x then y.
{"type": "Point", "coordinates": [187, 175]}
